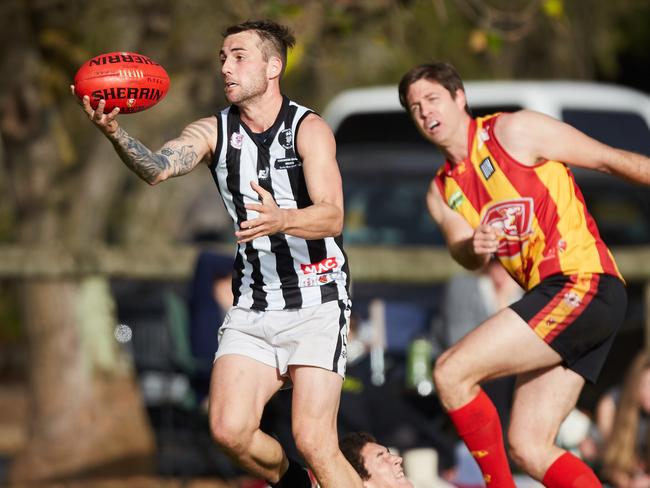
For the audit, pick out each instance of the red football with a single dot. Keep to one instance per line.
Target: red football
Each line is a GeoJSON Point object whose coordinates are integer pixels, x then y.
{"type": "Point", "coordinates": [130, 81]}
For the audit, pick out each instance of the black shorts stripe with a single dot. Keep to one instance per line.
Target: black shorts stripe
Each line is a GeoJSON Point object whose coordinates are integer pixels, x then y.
{"type": "Point", "coordinates": [339, 342]}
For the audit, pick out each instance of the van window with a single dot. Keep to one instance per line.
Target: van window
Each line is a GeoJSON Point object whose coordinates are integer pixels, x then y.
{"type": "Point", "coordinates": [388, 209]}
{"type": "Point", "coordinates": [625, 130]}
{"type": "Point", "coordinates": [390, 127]}
{"type": "Point", "coordinates": [621, 210]}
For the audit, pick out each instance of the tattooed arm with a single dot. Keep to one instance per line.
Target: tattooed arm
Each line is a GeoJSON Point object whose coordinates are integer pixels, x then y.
{"type": "Point", "coordinates": [175, 158]}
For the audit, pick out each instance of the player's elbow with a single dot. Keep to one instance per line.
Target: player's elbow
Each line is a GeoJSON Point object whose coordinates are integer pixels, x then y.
{"type": "Point", "coordinates": [338, 227]}
{"type": "Point", "coordinates": [337, 223]}
{"type": "Point", "coordinates": [155, 179]}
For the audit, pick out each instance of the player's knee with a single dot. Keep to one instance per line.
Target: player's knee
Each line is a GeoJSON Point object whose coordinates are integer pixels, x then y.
{"type": "Point", "coordinates": [231, 434]}
{"type": "Point", "coordinates": [315, 445]}
{"type": "Point", "coordinates": [526, 451]}
{"type": "Point", "coordinates": [445, 375]}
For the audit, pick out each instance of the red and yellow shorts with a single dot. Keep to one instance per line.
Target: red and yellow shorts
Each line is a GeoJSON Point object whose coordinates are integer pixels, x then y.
{"type": "Point", "coordinates": [578, 316]}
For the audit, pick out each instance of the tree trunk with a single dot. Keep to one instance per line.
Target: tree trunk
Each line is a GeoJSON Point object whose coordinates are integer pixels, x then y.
{"type": "Point", "coordinates": [86, 416]}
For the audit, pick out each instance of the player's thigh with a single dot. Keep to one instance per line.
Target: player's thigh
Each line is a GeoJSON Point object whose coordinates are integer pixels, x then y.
{"type": "Point", "coordinates": [502, 345]}
{"type": "Point", "coordinates": [316, 398]}
{"type": "Point", "coordinates": [542, 400]}
{"type": "Point", "coordinates": [240, 387]}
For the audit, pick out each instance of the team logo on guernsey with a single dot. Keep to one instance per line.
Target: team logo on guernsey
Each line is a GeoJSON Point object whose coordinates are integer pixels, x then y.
{"type": "Point", "coordinates": [285, 138]}
{"type": "Point", "coordinates": [513, 220]}
{"type": "Point", "coordinates": [236, 140]}
{"type": "Point", "coordinates": [487, 168]}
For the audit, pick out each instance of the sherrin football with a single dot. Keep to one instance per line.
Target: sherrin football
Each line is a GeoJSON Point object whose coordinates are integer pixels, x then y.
{"type": "Point", "coordinates": [131, 81]}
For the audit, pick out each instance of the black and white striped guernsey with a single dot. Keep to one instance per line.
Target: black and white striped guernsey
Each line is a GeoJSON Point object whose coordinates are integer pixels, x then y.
{"type": "Point", "coordinates": [279, 271]}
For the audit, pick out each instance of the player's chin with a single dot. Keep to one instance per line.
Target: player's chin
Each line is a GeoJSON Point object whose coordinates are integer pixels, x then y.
{"type": "Point", "coordinates": [232, 97]}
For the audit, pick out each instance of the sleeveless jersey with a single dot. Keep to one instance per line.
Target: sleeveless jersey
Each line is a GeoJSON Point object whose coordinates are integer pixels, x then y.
{"type": "Point", "coordinates": [539, 211]}
{"type": "Point", "coordinates": [279, 271]}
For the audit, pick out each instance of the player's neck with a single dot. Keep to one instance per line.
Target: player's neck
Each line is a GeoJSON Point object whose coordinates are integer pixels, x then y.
{"type": "Point", "coordinates": [260, 113]}
{"type": "Point", "coordinates": [456, 149]}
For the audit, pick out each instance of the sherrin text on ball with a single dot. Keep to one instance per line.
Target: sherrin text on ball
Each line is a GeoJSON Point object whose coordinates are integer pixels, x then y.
{"type": "Point", "coordinates": [131, 81]}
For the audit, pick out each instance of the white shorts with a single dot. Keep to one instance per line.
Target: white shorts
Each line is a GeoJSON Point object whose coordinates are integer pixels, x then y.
{"type": "Point", "coordinates": [312, 336]}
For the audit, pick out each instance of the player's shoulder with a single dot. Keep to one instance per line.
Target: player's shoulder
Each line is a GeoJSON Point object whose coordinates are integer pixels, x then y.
{"type": "Point", "coordinates": [511, 127]}
{"type": "Point", "coordinates": [521, 119]}
{"type": "Point", "coordinates": [313, 124]}
{"type": "Point", "coordinates": [205, 128]}
{"type": "Point", "coordinates": [210, 121]}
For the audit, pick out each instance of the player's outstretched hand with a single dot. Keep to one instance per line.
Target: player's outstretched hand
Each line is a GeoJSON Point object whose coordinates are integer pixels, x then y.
{"type": "Point", "coordinates": [107, 123]}
{"type": "Point", "coordinates": [269, 221]}
{"type": "Point", "coordinates": [485, 240]}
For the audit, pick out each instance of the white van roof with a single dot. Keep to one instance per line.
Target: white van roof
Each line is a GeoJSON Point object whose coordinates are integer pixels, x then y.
{"type": "Point", "coordinates": [548, 97]}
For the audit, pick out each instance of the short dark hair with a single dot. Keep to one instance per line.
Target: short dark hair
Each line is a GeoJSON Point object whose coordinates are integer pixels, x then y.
{"type": "Point", "coordinates": [351, 446]}
{"type": "Point", "coordinates": [441, 72]}
{"type": "Point", "coordinates": [278, 36]}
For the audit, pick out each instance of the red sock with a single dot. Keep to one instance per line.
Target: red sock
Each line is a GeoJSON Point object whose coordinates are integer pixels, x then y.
{"type": "Point", "coordinates": [478, 424]}
{"type": "Point", "coordinates": [568, 471]}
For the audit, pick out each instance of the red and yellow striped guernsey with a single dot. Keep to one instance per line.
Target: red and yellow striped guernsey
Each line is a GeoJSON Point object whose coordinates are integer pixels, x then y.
{"type": "Point", "coordinates": [539, 211]}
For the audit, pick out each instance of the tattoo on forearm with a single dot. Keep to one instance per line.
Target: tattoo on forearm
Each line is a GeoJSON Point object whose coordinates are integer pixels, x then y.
{"type": "Point", "coordinates": [176, 160]}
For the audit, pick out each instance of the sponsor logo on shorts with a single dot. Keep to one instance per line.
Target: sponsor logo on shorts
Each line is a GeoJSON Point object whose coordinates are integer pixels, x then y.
{"type": "Point", "coordinates": [236, 140]}
{"type": "Point", "coordinates": [572, 299]}
{"type": "Point", "coordinates": [479, 454]}
{"type": "Point", "coordinates": [513, 221]}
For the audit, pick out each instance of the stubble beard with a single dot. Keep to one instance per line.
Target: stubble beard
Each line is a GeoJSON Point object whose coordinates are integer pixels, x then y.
{"type": "Point", "coordinates": [249, 93]}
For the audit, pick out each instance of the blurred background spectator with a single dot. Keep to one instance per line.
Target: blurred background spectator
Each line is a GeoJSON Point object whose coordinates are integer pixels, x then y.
{"type": "Point", "coordinates": [210, 297]}
{"type": "Point", "coordinates": [623, 417]}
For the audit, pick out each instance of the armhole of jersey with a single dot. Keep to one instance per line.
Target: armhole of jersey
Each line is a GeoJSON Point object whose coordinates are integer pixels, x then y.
{"type": "Point", "coordinates": [295, 138]}
{"type": "Point", "coordinates": [441, 186]}
{"type": "Point", "coordinates": [219, 145]}
{"type": "Point", "coordinates": [495, 147]}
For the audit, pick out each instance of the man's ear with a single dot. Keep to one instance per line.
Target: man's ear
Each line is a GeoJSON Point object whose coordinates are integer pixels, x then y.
{"type": "Point", "coordinates": [275, 67]}
{"type": "Point", "coordinates": [460, 98]}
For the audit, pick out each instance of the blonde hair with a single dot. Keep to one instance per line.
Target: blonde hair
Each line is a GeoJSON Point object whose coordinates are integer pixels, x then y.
{"type": "Point", "coordinates": [620, 454]}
